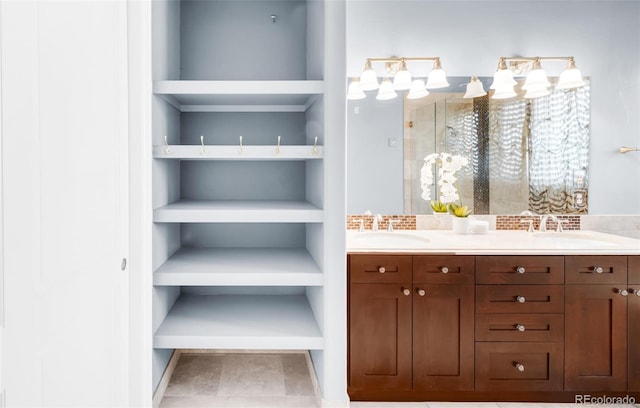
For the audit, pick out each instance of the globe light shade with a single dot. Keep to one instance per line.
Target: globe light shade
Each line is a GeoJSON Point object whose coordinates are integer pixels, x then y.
{"type": "Point", "coordinates": [417, 90]}
{"type": "Point", "coordinates": [386, 92]}
{"type": "Point", "coordinates": [504, 92]}
{"type": "Point", "coordinates": [570, 77]}
{"type": "Point", "coordinates": [536, 78]}
{"type": "Point", "coordinates": [368, 78]}
{"type": "Point", "coordinates": [354, 92]}
{"type": "Point", "coordinates": [503, 77]}
{"type": "Point", "coordinates": [474, 89]}
{"type": "Point", "coordinates": [437, 79]}
{"type": "Point", "coordinates": [402, 78]}
{"type": "Point", "coordinates": [536, 92]}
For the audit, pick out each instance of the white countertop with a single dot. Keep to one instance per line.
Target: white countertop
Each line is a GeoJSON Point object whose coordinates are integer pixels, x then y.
{"type": "Point", "coordinates": [491, 243]}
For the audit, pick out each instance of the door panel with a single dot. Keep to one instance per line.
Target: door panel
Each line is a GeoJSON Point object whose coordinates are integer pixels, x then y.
{"type": "Point", "coordinates": [380, 336]}
{"type": "Point", "coordinates": [443, 338]}
{"type": "Point", "coordinates": [65, 186]}
{"type": "Point", "coordinates": [596, 326]}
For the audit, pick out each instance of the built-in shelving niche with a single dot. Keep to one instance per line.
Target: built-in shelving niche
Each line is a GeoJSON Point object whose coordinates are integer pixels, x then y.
{"type": "Point", "coordinates": [238, 231]}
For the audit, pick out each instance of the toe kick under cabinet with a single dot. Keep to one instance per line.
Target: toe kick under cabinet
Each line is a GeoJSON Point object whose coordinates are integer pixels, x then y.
{"type": "Point", "coordinates": [493, 328]}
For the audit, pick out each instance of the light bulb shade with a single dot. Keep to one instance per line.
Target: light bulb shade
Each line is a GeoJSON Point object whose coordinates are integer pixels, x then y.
{"type": "Point", "coordinates": [369, 79]}
{"type": "Point", "coordinates": [536, 78]}
{"type": "Point", "coordinates": [474, 89]}
{"type": "Point", "coordinates": [417, 90]}
{"type": "Point", "coordinates": [402, 80]}
{"type": "Point", "coordinates": [503, 77]}
{"type": "Point", "coordinates": [504, 92]}
{"type": "Point", "coordinates": [536, 92]}
{"type": "Point", "coordinates": [437, 79]}
{"type": "Point", "coordinates": [386, 91]}
{"type": "Point", "coordinates": [570, 78]}
{"type": "Point", "coordinates": [354, 92]}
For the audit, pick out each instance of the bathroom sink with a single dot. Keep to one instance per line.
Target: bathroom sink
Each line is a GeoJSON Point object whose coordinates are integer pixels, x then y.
{"type": "Point", "coordinates": [573, 239]}
{"type": "Point", "coordinates": [384, 239]}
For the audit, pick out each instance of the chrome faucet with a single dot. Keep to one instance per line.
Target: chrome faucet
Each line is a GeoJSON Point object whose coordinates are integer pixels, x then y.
{"type": "Point", "coordinates": [376, 218]}
{"type": "Point", "coordinates": [545, 218]}
{"type": "Point", "coordinates": [390, 226]}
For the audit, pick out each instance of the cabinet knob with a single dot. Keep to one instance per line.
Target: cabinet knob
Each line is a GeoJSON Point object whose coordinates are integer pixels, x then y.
{"type": "Point", "coordinates": [598, 269]}
{"type": "Point", "coordinates": [421, 292]}
{"type": "Point", "coordinates": [521, 269]}
{"type": "Point", "coordinates": [622, 292]}
{"type": "Point", "coordinates": [520, 299]}
{"type": "Point", "coordinates": [382, 269]}
{"type": "Point", "coordinates": [636, 292]}
{"type": "Point", "coordinates": [406, 292]}
{"type": "Point", "coordinates": [444, 269]}
{"type": "Point", "coordinates": [518, 366]}
{"type": "Point", "coordinates": [520, 327]}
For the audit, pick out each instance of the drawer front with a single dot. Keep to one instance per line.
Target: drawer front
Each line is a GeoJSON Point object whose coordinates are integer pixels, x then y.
{"type": "Point", "coordinates": [520, 299]}
{"type": "Point", "coordinates": [634, 270]}
{"type": "Point", "coordinates": [443, 269]}
{"type": "Point", "coordinates": [519, 366]}
{"type": "Point", "coordinates": [520, 327]}
{"type": "Point", "coordinates": [380, 268]}
{"type": "Point", "coordinates": [596, 269]}
{"type": "Point", "coordinates": [520, 270]}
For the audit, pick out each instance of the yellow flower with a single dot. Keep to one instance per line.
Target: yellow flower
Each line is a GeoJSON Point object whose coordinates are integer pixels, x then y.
{"type": "Point", "coordinates": [439, 206]}
{"type": "Point", "coordinates": [459, 210]}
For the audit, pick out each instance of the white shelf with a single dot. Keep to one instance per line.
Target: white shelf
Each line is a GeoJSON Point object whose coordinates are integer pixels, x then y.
{"type": "Point", "coordinates": [240, 322]}
{"type": "Point", "coordinates": [184, 211]}
{"type": "Point", "coordinates": [239, 96]}
{"type": "Point", "coordinates": [239, 267]}
{"type": "Point", "coordinates": [195, 152]}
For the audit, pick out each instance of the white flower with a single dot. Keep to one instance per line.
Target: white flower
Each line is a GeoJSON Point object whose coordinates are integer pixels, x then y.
{"type": "Point", "coordinates": [448, 165]}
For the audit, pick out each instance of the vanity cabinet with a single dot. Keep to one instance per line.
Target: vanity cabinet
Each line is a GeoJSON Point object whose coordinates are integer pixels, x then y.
{"type": "Point", "coordinates": [519, 329]}
{"type": "Point", "coordinates": [410, 323]}
{"type": "Point", "coordinates": [633, 318]}
{"type": "Point", "coordinates": [596, 323]}
{"type": "Point", "coordinates": [490, 327]}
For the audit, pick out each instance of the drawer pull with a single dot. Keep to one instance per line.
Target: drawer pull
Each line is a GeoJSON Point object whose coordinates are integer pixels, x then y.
{"type": "Point", "coordinates": [521, 269]}
{"type": "Point", "coordinates": [421, 292]}
{"type": "Point", "coordinates": [636, 292]}
{"type": "Point", "coordinates": [444, 269]}
{"type": "Point", "coordinates": [382, 269]}
{"type": "Point", "coordinates": [622, 292]}
{"type": "Point", "coordinates": [406, 292]}
{"type": "Point", "coordinates": [598, 269]}
{"type": "Point", "coordinates": [520, 327]}
{"type": "Point", "coordinates": [521, 299]}
{"type": "Point", "coordinates": [518, 366]}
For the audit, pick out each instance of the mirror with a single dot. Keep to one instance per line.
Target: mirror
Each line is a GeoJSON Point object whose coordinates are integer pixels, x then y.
{"type": "Point", "coordinates": [523, 154]}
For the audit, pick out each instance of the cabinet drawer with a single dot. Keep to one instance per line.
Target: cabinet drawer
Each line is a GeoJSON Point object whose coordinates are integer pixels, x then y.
{"type": "Point", "coordinates": [519, 366]}
{"type": "Point", "coordinates": [634, 270]}
{"type": "Point", "coordinates": [596, 269]}
{"type": "Point", "coordinates": [520, 327]}
{"type": "Point", "coordinates": [443, 269]}
{"type": "Point", "coordinates": [520, 270]}
{"type": "Point", "coordinates": [519, 299]}
{"type": "Point", "coordinates": [380, 268]}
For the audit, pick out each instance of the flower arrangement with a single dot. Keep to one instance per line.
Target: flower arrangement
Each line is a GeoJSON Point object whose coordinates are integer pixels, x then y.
{"type": "Point", "coordinates": [448, 165]}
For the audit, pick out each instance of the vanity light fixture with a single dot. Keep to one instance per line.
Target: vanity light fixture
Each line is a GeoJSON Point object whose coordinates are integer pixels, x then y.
{"type": "Point", "coordinates": [474, 88]}
{"type": "Point", "coordinates": [536, 82]}
{"type": "Point", "coordinates": [396, 68]}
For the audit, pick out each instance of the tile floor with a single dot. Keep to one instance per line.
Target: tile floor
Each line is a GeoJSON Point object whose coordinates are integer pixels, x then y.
{"type": "Point", "coordinates": [217, 380]}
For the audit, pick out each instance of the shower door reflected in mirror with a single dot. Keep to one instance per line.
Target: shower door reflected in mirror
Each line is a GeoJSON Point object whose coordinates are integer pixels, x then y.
{"type": "Point", "coordinates": [524, 154]}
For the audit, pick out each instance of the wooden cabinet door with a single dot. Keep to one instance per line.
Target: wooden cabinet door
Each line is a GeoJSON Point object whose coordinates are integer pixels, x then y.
{"type": "Point", "coordinates": [380, 336]}
{"type": "Point", "coordinates": [443, 337]}
{"type": "Point", "coordinates": [595, 338]}
{"type": "Point", "coordinates": [633, 308]}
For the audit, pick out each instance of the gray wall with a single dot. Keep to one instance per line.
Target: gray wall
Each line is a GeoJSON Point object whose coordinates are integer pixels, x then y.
{"type": "Point", "coordinates": [374, 169]}
{"type": "Point", "coordinates": [470, 36]}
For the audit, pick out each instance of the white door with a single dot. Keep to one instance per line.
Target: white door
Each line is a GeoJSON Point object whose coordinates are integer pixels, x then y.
{"type": "Point", "coordinates": [65, 200]}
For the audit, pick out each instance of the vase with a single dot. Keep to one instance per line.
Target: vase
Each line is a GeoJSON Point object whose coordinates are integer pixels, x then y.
{"type": "Point", "coordinates": [460, 225]}
{"type": "Point", "coordinates": [442, 220]}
